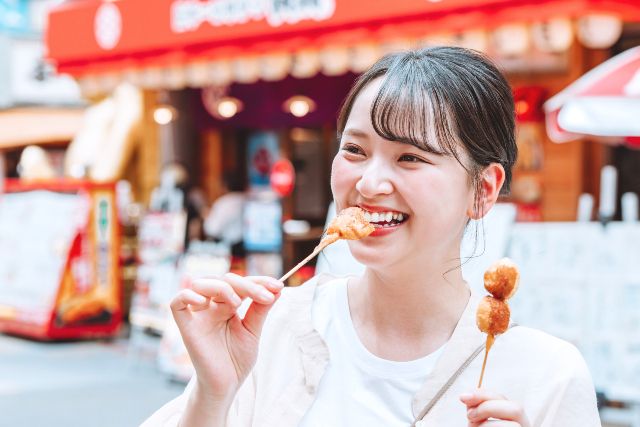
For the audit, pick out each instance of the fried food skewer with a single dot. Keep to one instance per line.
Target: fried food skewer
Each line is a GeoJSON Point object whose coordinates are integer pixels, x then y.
{"type": "Point", "coordinates": [349, 224]}
{"type": "Point", "coordinates": [493, 315]}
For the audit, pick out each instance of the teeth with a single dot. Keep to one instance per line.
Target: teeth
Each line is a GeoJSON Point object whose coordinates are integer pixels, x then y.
{"type": "Point", "coordinates": [383, 217]}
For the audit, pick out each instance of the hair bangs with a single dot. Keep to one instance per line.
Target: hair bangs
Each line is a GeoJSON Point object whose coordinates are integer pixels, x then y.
{"type": "Point", "coordinates": [408, 111]}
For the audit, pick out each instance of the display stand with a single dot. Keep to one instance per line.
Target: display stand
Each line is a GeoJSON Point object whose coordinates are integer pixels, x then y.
{"type": "Point", "coordinates": [59, 275]}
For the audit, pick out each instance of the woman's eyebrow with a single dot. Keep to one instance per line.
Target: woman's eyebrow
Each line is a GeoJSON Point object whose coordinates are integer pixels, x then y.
{"type": "Point", "coordinates": [355, 133]}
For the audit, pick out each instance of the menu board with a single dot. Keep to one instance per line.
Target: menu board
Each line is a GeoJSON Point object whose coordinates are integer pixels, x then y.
{"type": "Point", "coordinates": [36, 231]}
{"type": "Point", "coordinates": [581, 282]}
{"type": "Point", "coordinates": [59, 270]}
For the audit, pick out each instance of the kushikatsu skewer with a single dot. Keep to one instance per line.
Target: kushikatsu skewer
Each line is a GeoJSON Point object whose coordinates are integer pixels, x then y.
{"type": "Point", "coordinates": [349, 224]}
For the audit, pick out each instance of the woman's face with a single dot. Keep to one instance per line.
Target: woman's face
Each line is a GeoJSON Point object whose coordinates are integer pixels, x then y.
{"type": "Point", "coordinates": [426, 197]}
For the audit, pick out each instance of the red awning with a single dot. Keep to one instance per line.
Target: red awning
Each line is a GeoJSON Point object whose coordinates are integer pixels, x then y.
{"type": "Point", "coordinates": [604, 103]}
{"type": "Point", "coordinates": [89, 37]}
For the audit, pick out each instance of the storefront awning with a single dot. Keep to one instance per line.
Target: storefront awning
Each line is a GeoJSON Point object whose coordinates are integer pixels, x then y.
{"type": "Point", "coordinates": [25, 126]}
{"type": "Point", "coordinates": [183, 42]}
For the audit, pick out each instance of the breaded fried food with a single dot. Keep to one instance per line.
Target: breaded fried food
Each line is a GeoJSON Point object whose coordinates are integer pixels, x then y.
{"type": "Point", "coordinates": [501, 279]}
{"type": "Point", "coordinates": [349, 224]}
{"type": "Point", "coordinates": [493, 316]}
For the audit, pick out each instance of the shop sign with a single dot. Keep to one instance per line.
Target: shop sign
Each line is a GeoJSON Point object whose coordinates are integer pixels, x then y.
{"type": "Point", "coordinates": [263, 153]}
{"type": "Point", "coordinates": [188, 15]}
{"type": "Point", "coordinates": [283, 177]}
{"type": "Point", "coordinates": [31, 80]}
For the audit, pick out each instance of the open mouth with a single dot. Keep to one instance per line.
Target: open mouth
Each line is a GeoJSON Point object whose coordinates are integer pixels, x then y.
{"type": "Point", "coordinates": [385, 219]}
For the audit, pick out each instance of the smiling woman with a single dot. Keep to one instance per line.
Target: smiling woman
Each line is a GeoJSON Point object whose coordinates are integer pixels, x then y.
{"type": "Point", "coordinates": [426, 144]}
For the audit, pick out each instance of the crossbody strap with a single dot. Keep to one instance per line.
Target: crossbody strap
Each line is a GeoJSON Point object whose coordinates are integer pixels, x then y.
{"type": "Point", "coordinates": [450, 382]}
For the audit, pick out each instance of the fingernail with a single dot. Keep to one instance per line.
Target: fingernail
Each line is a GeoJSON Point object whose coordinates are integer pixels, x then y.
{"type": "Point", "coordinates": [264, 295]}
{"type": "Point", "coordinates": [236, 299]}
{"type": "Point", "coordinates": [466, 396]}
{"type": "Point", "coordinates": [471, 413]}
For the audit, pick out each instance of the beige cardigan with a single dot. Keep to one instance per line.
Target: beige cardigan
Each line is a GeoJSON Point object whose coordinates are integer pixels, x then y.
{"type": "Point", "coordinates": [546, 375]}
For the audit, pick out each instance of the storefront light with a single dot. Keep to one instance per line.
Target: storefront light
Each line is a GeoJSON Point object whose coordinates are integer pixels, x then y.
{"type": "Point", "coordinates": [599, 31]}
{"type": "Point", "coordinates": [299, 105]}
{"type": "Point", "coordinates": [228, 107]}
{"type": "Point", "coordinates": [164, 115]}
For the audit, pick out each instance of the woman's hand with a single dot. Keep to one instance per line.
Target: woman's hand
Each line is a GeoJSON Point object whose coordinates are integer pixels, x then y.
{"type": "Point", "coordinates": [222, 346]}
{"type": "Point", "coordinates": [487, 409]}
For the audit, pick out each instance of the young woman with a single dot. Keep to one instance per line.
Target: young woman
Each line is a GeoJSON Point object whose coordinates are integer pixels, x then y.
{"type": "Point", "coordinates": [426, 144]}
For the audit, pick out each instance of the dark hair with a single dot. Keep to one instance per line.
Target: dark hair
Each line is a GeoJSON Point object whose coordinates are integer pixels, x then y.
{"type": "Point", "coordinates": [453, 94]}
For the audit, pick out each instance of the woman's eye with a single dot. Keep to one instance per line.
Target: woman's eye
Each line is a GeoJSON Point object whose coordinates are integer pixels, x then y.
{"type": "Point", "coordinates": [411, 159]}
{"type": "Point", "coordinates": [353, 149]}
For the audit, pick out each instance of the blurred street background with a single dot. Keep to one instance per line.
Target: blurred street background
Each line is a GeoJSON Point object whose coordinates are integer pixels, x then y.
{"type": "Point", "coordinates": [143, 144]}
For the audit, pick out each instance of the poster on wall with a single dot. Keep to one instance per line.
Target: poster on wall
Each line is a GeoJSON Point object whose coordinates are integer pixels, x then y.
{"type": "Point", "coordinates": [263, 152]}
{"type": "Point", "coordinates": [263, 224]}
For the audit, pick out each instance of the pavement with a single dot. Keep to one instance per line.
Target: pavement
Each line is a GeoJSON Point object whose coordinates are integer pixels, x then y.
{"type": "Point", "coordinates": [81, 384]}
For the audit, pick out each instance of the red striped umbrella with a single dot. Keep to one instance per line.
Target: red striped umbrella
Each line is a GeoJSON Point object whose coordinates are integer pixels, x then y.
{"type": "Point", "coordinates": [604, 104]}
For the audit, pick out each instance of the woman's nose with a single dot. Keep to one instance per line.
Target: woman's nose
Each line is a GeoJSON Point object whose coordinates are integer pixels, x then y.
{"type": "Point", "coordinates": [374, 181]}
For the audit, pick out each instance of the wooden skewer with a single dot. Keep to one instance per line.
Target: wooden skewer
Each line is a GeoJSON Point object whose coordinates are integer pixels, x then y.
{"type": "Point", "coordinates": [490, 341]}
{"type": "Point", "coordinates": [326, 241]}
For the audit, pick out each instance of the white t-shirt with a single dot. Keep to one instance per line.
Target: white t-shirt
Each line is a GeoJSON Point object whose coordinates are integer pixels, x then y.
{"type": "Point", "coordinates": [359, 388]}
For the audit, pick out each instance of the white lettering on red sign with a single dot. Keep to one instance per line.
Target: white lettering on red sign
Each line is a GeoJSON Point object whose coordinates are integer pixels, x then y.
{"type": "Point", "coordinates": [188, 15]}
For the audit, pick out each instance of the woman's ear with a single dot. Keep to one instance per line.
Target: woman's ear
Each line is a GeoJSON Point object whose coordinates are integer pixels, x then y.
{"type": "Point", "coordinates": [491, 181]}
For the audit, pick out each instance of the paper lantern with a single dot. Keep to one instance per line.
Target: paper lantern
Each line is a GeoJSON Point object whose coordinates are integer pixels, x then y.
{"type": "Point", "coordinates": [511, 39]}
{"type": "Point", "coordinates": [599, 31]}
{"type": "Point", "coordinates": [174, 77]}
{"type": "Point", "coordinates": [554, 35]}
{"type": "Point", "coordinates": [246, 70]}
{"type": "Point", "coordinates": [197, 74]}
{"type": "Point", "coordinates": [396, 45]}
{"type": "Point", "coordinates": [363, 57]}
{"type": "Point", "coordinates": [473, 39]}
{"type": "Point", "coordinates": [306, 63]}
{"type": "Point", "coordinates": [275, 67]}
{"type": "Point", "coordinates": [335, 61]}
{"type": "Point", "coordinates": [441, 39]}
{"type": "Point", "coordinates": [152, 78]}
{"type": "Point", "coordinates": [220, 73]}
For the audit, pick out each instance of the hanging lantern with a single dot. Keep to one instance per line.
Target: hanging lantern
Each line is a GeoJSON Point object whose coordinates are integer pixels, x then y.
{"type": "Point", "coordinates": [152, 78]}
{"type": "Point", "coordinates": [511, 39]}
{"type": "Point", "coordinates": [306, 63]}
{"type": "Point", "coordinates": [275, 67]}
{"type": "Point", "coordinates": [175, 77]}
{"type": "Point", "coordinates": [220, 73]}
{"type": "Point", "coordinates": [599, 31]}
{"type": "Point", "coordinates": [473, 39]}
{"type": "Point", "coordinates": [442, 39]}
{"type": "Point", "coordinates": [197, 74]}
{"type": "Point", "coordinates": [396, 45]}
{"type": "Point", "coordinates": [246, 70]}
{"type": "Point", "coordinates": [363, 57]}
{"type": "Point", "coordinates": [555, 35]}
{"type": "Point", "coordinates": [334, 61]}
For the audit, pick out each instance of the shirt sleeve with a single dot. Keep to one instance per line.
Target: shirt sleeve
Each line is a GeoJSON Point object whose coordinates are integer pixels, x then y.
{"type": "Point", "coordinates": [572, 402]}
{"type": "Point", "coordinates": [240, 413]}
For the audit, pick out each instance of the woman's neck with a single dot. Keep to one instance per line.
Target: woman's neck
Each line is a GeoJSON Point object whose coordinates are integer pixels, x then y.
{"type": "Point", "coordinates": [405, 313]}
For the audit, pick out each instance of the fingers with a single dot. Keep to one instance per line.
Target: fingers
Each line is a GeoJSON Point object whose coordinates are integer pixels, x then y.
{"type": "Point", "coordinates": [228, 291]}
{"type": "Point", "coordinates": [489, 409]}
{"type": "Point", "coordinates": [478, 396]}
{"type": "Point", "coordinates": [499, 409]}
{"type": "Point", "coordinates": [256, 315]}
{"type": "Point", "coordinates": [188, 298]}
